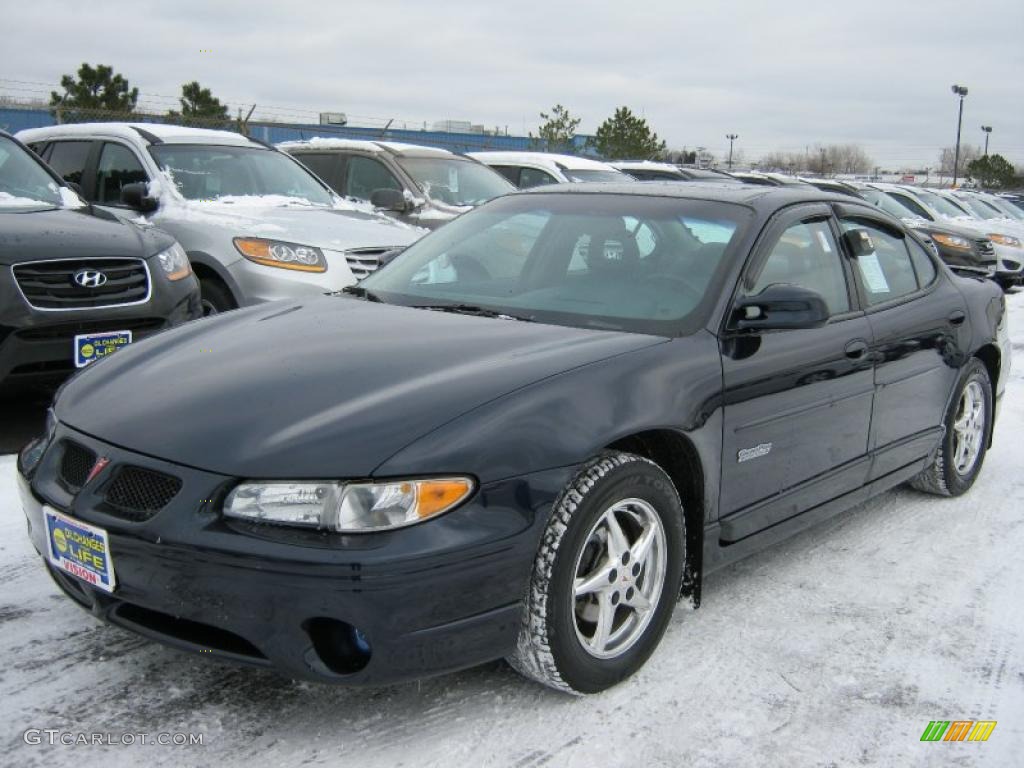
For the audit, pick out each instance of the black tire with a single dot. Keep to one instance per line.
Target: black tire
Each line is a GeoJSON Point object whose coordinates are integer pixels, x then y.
{"type": "Point", "coordinates": [550, 649]}
{"type": "Point", "coordinates": [943, 477]}
{"type": "Point", "coordinates": [216, 297]}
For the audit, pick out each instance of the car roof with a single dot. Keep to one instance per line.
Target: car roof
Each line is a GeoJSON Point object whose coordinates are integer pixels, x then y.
{"type": "Point", "coordinates": [162, 132]}
{"type": "Point", "coordinates": [755, 196]}
{"type": "Point", "coordinates": [549, 159]}
{"type": "Point", "coordinates": [638, 165]}
{"type": "Point", "coordinates": [327, 143]}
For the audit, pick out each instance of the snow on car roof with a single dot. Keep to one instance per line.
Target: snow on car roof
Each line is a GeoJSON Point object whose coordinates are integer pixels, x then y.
{"type": "Point", "coordinates": [625, 165]}
{"type": "Point", "coordinates": [172, 134]}
{"type": "Point", "coordinates": [547, 159]}
{"type": "Point", "coordinates": [398, 147]}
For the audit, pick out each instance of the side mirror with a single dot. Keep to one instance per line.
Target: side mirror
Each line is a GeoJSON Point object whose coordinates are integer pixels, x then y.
{"type": "Point", "coordinates": [780, 306]}
{"type": "Point", "coordinates": [858, 242]}
{"type": "Point", "coordinates": [136, 195]}
{"type": "Point", "coordinates": [388, 256]}
{"type": "Point", "coordinates": [388, 200]}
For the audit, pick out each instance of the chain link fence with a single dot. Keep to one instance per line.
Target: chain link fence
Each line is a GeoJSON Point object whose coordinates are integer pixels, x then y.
{"type": "Point", "coordinates": [14, 118]}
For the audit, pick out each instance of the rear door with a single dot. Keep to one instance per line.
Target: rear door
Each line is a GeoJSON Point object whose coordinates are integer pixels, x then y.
{"type": "Point", "coordinates": [329, 166]}
{"type": "Point", "coordinates": [919, 323]}
{"type": "Point", "coordinates": [798, 403]}
{"type": "Point", "coordinates": [71, 159]}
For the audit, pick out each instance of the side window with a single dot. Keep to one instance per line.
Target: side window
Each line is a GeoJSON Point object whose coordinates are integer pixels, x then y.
{"type": "Point", "coordinates": [325, 165]}
{"type": "Point", "coordinates": [366, 175]}
{"type": "Point", "coordinates": [886, 273]}
{"type": "Point", "coordinates": [806, 255]}
{"type": "Point", "coordinates": [39, 147]}
{"type": "Point", "coordinates": [510, 172]}
{"type": "Point", "coordinates": [923, 264]}
{"type": "Point", "coordinates": [118, 166]}
{"type": "Point", "coordinates": [68, 159]}
{"type": "Point", "coordinates": [534, 177]}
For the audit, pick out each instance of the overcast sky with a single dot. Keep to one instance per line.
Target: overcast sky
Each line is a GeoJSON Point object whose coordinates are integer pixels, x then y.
{"type": "Point", "coordinates": [783, 74]}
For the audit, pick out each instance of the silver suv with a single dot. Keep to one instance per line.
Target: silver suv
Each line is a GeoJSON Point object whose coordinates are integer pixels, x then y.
{"type": "Point", "coordinates": [424, 186]}
{"type": "Point", "coordinates": [256, 224]}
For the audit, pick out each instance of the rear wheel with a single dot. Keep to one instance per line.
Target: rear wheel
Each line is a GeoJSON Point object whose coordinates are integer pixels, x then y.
{"type": "Point", "coordinates": [216, 297]}
{"type": "Point", "coordinates": [606, 578]}
{"type": "Point", "coordinates": [968, 427]}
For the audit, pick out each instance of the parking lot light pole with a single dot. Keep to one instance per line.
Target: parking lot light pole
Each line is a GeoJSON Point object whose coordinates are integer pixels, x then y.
{"type": "Point", "coordinates": [987, 129]}
{"type": "Point", "coordinates": [961, 91]}
{"type": "Point", "coordinates": [732, 137]}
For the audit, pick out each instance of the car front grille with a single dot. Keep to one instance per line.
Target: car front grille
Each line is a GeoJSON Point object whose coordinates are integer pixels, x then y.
{"type": "Point", "coordinates": [51, 284]}
{"type": "Point", "coordinates": [363, 261]}
{"type": "Point", "coordinates": [70, 330]}
{"type": "Point", "coordinates": [985, 247]}
{"type": "Point", "coordinates": [75, 464]}
{"type": "Point", "coordinates": [136, 494]}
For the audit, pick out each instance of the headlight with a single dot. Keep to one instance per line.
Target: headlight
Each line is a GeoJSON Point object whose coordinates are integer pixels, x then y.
{"type": "Point", "coordinates": [175, 262]}
{"type": "Point", "coordinates": [1013, 242]}
{"type": "Point", "coordinates": [952, 241]}
{"type": "Point", "coordinates": [347, 507]}
{"type": "Point", "coordinates": [273, 253]}
{"type": "Point", "coordinates": [32, 453]}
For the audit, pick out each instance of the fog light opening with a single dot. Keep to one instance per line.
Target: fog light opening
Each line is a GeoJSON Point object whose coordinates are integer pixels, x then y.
{"type": "Point", "coordinates": [341, 647]}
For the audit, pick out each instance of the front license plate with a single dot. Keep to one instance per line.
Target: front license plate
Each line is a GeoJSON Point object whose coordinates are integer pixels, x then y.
{"type": "Point", "coordinates": [79, 549]}
{"type": "Point", "coordinates": [90, 347]}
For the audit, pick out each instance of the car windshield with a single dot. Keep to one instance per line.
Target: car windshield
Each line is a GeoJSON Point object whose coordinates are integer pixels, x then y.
{"type": "Point", "coordinates": [454, 181]}
{"type": "Point", "coordinates": [594, 174]}
{"type": "Point", "coordinates": [943, 205]}
{"type": "Point", "coordinates": [23, 182]}
{"type": "Point", "coordinates": [620, 262]}
{"type": "Point", "coordinates": [208, 172]}
{"type": "Point", "coordinates": [900, 206]}
{"type": "Point", "coordinates": [1006, 208]}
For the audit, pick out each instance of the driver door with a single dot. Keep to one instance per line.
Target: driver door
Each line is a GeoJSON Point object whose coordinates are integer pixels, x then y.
{"type": "Point", "coordinates": [798, 402]}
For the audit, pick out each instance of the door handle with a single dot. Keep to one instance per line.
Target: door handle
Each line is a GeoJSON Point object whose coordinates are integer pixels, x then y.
{"type": "Point", "coordinates": [856, 349]}
{"type": "Point", "coordinates": [957, 317]}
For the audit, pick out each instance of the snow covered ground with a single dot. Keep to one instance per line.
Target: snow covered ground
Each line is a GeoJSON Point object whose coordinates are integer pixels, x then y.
{"type": "Point", "coordinates": [835, 648]}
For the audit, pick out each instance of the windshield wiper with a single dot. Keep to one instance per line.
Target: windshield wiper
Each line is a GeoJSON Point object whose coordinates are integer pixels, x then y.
{"type": "Point", "coordinates": [362, 293]}
{"type": "Point", "coordinates": [472, 309]}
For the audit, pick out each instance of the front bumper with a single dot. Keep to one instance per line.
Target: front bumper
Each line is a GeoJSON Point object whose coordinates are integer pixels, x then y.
{"type": "Point", "coordinates": [359, 610]}
{"type": "Point", "coordinates": [36, 346]}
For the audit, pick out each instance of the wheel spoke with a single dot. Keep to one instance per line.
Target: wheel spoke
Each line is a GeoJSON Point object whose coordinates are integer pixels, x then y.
{"type": "Point", "coordinates": [595, 581]}
{"type": "Point", "coordinates": [642, 546]}
{"type": "Point", "coordinates": [605, 616]}
{"type": "Point", "coordinates": [617, 543]}
{"type": "Point", "coordinates": [639, 602]}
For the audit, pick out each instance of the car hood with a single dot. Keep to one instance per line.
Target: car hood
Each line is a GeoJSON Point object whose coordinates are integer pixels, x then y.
{"type": "Point", "coordinates": [331, 387]}
{"type": "Point", "coordinates": [944, 227]}
{"type": "Point", "coordinates": [331, 228]}
{"type": "Point", "coordinates": [54, 233]}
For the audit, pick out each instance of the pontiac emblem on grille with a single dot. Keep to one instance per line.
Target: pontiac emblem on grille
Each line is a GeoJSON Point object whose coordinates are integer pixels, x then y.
{"type": "Point", "coordinates": [90, 278]}
{"type": "Point", "coordinates": [98, 467]}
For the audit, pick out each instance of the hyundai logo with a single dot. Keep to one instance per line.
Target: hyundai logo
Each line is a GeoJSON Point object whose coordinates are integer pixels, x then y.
{"type": "Point", "coordinates": [90, 278]}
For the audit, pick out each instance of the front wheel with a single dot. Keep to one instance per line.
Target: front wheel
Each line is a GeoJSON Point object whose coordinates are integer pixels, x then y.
{"type": "Point", "coordinates": [968, 428]}
{"type": "Point", "coordinates": [606, 578]}
{"type": "Point", "coordinates": [215, 297]}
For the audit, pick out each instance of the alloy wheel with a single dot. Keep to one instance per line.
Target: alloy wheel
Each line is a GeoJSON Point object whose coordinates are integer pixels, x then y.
{"type": "Point", "coordinates": [969, 428]}
{"type": "Point", "coordinates": [619, 578]}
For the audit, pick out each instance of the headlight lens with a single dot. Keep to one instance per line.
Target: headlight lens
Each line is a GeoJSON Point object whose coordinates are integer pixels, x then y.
{"type": "Point", "coordinates": [174, 262]}
{"type": "Point", "coordinates": [952, 241]}
{"type": "Point", "coordinates": [274, 253]}
{"type": "Point", "coordinates": [347, 507]}
{"type": "Point", "coordinates": [32, 453]}
{"type": "Point", "coordinates": [1013, 242]}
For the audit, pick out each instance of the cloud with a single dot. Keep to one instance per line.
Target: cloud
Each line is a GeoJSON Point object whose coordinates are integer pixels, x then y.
{"type": "Point", "coordinates": [783, 75]}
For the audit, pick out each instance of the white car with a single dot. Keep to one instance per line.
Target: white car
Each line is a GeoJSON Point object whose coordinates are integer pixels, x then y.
{"type": "Point", "coordinates": [531, 169]}
{"type": "Point", "coordinates": [256, 224]}
{"type": "Point", "coordinates": [1008, 238]}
